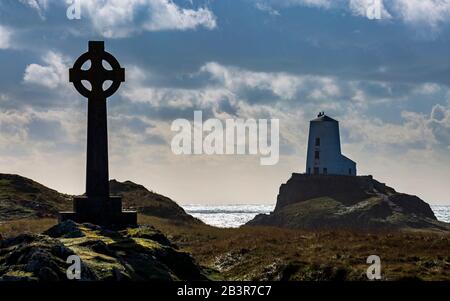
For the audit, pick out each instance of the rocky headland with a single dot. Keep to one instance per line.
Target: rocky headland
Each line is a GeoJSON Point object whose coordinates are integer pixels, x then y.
{"type": "Point", "coordinates": [347, 202]}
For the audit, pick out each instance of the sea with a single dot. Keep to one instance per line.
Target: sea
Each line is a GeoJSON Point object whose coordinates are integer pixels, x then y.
{"type": "Point", "coordinates": [234, 216]}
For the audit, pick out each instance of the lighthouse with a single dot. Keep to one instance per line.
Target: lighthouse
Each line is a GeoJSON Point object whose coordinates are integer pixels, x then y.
{"type": "Point", "coordinates": [324, 155]}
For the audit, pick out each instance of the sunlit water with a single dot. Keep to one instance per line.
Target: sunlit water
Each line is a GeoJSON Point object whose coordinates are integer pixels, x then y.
{"type": "Point", "coordinates": [226, 216]}
{"type": "Point", "coordinates": [442, 212]}
{"type": "Point", "coordinates": [233, 216]}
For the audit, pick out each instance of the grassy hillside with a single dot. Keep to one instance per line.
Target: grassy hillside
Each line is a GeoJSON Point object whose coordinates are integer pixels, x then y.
{"type": "Point", "coordinates": [148, 202]}
{"type": "Point", "coordinates": [22, 198]}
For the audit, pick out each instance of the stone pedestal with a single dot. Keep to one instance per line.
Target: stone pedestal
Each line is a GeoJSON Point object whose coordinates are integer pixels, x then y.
{"type": "Point", "coordinates": [100, 212]}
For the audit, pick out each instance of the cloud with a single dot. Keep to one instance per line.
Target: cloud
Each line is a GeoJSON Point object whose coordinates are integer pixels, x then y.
{"type": "Point", "coordinates": [310, 3]}
{"type": "Point", "coordinates": [362, 7]}
{"type": "Point", "coordinates": [439, 124]}
{"type": "Point", "coordinates": [39, 5]}
{"type": "Point", "coordinates": [220, 88]}
{"type": "Point", "coordinates": [267, 8]}
{"type": "Point", "coordinates": [428, 12]}
{"type": "Point", "coordinates": [121, 18]}
{"type": "Point", "coordinates": [5, 37]}
{"type": "Point", "coordinates": [283, 85]}
{"type": "Point", "coordinates": [52, 75]}
{"type": "Point", "coordinates": [412, 130]}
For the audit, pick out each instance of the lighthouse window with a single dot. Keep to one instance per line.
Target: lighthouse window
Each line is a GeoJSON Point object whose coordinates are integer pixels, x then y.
{"type": "Point", "coordinates": [317, 141]}
{"type": "Point", "coordinates": [316, 155]}
{"type": "Point", "coordinates": [325, 171]}
{"type": "Point", "coordinates": [349, 171]}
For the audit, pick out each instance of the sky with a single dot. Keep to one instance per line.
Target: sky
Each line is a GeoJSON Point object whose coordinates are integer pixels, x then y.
{"type": "Point", "coordinates": [386, 80]}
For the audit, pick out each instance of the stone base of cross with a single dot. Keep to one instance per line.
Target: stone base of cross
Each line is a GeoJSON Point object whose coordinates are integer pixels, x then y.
{"type": "Point", "coordinates": [98, 207]}
{"type": "Point", "coordinates": [99, 211]}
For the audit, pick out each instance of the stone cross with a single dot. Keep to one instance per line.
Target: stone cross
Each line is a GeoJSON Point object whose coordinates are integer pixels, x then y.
{"type": "Point", "coordinates": [97, 178]}
{"type": "Point", "coordinates": [98, 206]}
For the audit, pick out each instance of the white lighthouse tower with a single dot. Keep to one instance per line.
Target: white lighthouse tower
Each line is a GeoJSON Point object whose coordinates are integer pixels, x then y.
{"type": "Point", "coordinates": [324, 149]}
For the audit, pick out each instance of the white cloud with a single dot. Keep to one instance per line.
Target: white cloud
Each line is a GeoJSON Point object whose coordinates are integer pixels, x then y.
{"type": "Point", "coordinates": [362, 7]}
{"type": "Point", "coordinates": [233, 78]}
{"type": "Point", "coordinates": [439, 123]}
{"type": "Point", "coordinates": [121, 18]}
{"type": "Point", "coordinates": [139, 91]}
{"type": "Point", "coordinates": [284, 85]}
{"type": "Point", "coordinates": [51, 75]}
{"type": "Point", "coordinates": [39, 5]}
{"type": "Point", "coordinates": [267, 8]}
{"type": "Point", "coordinates": [420, 131]}
{"type": "Point", "coordinates": [5, 37]}
{"type": "Point", "coordinates": [310, 3]}
{"type": "Point", "coordinates": [430, 12]}
{"type": "Point", "coordinates": [428, 88]}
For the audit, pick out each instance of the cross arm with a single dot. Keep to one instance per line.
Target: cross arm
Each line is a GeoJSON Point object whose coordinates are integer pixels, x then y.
{"type": "Point", "coordinates": [115, 75]}
{"type": "Point", "coordinates": [78, 75]}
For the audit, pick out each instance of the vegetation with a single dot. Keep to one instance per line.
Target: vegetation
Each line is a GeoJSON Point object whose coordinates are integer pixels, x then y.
{"type": "Point", "coordinates": [372, 214]}
{"type": "Point", "coordinates": [269, 253]}
{"type": "Point", "coordinates": [265, 253]}
{"type": "Point", "coordinates": [147, 202]}
{"type": "Point", "coordinates": [22, 198]}
{"type": "Point", "coordinates": [32, 225]}
{"type": "Point", "coordinates": [133, 254]}
{"type": "Point", "coordinates": [257, 252]}
{"type": "Point", "coordinates": [346, 202]}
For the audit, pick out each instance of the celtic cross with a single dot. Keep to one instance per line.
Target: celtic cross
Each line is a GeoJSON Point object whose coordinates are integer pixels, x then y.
{"type": "Point", "coordinates": [97, 175]}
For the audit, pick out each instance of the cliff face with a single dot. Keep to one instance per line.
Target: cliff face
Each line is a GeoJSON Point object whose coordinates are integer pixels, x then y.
{"type": "Point", "coordinates": [348, 202]}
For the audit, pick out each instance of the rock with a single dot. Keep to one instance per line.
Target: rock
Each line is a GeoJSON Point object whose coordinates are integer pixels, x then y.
{"type": "Point", "coordinates": [33, 257]}
{"type": "Point", "coordinates": [347, 202]}
{"type": "Point", "coordinates": [133, 254]}
{"type": "Point", "coordinates": [147, 232]}
{"type": "Point", "coordinates": [67, 229]}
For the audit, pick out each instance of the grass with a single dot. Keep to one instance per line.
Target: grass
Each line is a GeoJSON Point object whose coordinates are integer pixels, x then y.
{"type": "Point", "coordinates": [266, 253]}
{"type": "Point", "coordinates": [32, 225]}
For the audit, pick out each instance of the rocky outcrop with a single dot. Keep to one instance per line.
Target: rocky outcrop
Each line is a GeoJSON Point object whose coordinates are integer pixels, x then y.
{"type": "Point", "coordinates": [133, 254]}
{"type": "Point", "coordinates": [347, 202]}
